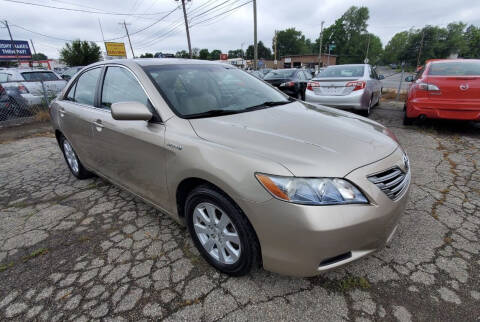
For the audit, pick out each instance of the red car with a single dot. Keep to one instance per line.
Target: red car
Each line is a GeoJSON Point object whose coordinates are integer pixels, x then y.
{"type": "Point", "coordinates": [444, 89]}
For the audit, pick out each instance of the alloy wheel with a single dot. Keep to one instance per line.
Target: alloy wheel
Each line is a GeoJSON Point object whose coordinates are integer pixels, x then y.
{"type": "Point", "coordinates": [70, 156]}
{"type": "Point", "coordinates": [217, 233]}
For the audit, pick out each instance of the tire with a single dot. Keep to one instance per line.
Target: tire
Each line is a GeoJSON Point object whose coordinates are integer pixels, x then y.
{"type": "Point", "coordinates": [71, 158]}
{"type": "Point", "coordinates": [379, 97]}
{"type": "Point", "coordinates": [366, 113]}
{"type": "Point", "coordinates": [235, 256]}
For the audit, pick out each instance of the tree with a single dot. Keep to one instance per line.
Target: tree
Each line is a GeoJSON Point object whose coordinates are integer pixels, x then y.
{"type": "Point", "coordinates": [263, 52]}
{"type": "Point", "coordinates": [472, 38]}
{"type": "Point", "coordinates": [182, 54]}
{"type": "Point", "coordinates": [395, 48]}
{"type": "Point", "coordinates": [350, 36]}
{"type": "Point", "coordinates": [195, 53]}
{"type": "Point", "coordinates": [80, 53]}
{"type": "Point", "coordinates": [204, 54]}
{"type": "Point", "coordinates": [215, 54]}
{"type": "Point", "coordinates": [236, 53]}
{"type": "Point", "coordinates": [39, 56]}
{"type": "Point", "coordinates": [146, 55]}
{"type": "Point", "coordinates": [290, 42]}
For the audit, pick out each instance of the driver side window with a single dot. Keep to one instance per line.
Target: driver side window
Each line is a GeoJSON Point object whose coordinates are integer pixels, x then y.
{"type": "Point", "coordinates": [120, 85]}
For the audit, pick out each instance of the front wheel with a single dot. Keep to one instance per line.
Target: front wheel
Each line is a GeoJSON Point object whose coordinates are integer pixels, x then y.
{"type": "Point", "coordinates": [221, 232]}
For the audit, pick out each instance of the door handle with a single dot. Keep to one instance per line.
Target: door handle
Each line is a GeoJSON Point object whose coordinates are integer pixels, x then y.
{"type": "Point", "coordinates": [98, 125]}
{"type": "Point", "coordinates": [62, 112]}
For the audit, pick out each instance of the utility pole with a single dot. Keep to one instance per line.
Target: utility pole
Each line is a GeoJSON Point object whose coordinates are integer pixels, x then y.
{"type": "Point", "coordinates": [128, 35]}
{"type": "Point", "coordinates": [34, 51]}
{"type": "Point", "coordinates": [420, 50]}
{"type": "Point", "coordinates": [275, 49]}
{"type": "Point", "coordinates": [320, 49]}
{"type": "Point", "coordinates": [368, 46]}
{"type": "Point", "coordinates": [13, 44]}
{"type": "Point", "coordinates": [186, 27]}
{"type": "Point", "coordinates": [255, 45]}
{"type": "Point", "coordinates": [103, 37]}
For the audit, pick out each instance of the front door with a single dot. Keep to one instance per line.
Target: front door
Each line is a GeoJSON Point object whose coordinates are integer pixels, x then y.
{"type": "Point", "coordinates": [130, 153]}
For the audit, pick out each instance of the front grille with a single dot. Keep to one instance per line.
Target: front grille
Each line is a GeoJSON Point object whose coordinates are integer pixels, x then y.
{"type": "Point", "coordinates": [392, 182]}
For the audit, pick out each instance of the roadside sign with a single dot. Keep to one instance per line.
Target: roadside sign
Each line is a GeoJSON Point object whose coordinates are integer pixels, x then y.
{"type": "Point", "coordinates": [116, 49]}
{"type": "Point", "coordinates": [332, 46]}
{"type": "Point", "coordinates": [275, 62]}
{"type": "Point", "coordinates": [223, 56]}
{"type": "Point", "coordinates": [288, 60]}
{"type": "Point", "coordinates": [365, 61]}
{"type": "Point", "coordinates": [8, 53]}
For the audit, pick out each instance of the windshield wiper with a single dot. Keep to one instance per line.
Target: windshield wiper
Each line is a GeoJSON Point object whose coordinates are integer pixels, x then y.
{"type": "Point", "coordinates": [211, 113]}
{"type": "Point", "coordinates": [268, 104]}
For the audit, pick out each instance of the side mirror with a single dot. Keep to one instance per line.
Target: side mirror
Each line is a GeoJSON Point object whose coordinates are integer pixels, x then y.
{"type": "Point", "coordinates": [131, 111]}
{"type": "Point", "coordinates": [66, 77]}
{"type": "Point", "coordinates": [381, 77]}
{"type": "Point", "coordinates": [409, 79]}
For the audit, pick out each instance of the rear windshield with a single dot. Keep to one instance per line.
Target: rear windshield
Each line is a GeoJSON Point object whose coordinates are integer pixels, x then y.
{"type": "Point", "coordinates": [280, 73]}
{"type": "Point", "coordinates": [455, 68]}
{"type": "Point", "coordinates": [39, 76]}
{"type": "Point", "coordinates": [342, 71]}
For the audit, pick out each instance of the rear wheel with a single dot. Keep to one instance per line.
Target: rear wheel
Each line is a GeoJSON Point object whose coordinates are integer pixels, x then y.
{"type": "Point", "coordinates": [73, 162]}
{"type": "Point", "coordinates": [366, 112]}
{"type": "Point", "coordinates": [221, 232]}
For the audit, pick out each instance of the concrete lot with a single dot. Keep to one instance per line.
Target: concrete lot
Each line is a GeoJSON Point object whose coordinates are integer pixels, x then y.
{"type": "Point", "coordinates": [392, 78]}
{"type": "Point", "coordinates": [87, 250]}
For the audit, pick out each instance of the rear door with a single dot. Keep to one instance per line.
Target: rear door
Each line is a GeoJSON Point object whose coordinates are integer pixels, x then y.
{"type": "Point", "coordinates": [76, 114]}
{"type": "Point", "coordinates": [130, 153]}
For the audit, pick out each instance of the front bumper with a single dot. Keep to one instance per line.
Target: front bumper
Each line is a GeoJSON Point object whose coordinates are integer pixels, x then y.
{"type": "Point", "coordinates": [296, 239]}
{"type": "Point", "coordinates": [357, 100]}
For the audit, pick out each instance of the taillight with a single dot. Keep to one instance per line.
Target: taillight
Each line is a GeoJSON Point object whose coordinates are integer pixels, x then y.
{"type": "Point", "coordinates": [287, 84]}
{"type": "Point", "coordinates": [311, 85]}
{"type": "Point", "coordinates": [22, 89]}
{"type": "Point", "coordinates": [427, 87]}
{"type": "Point", "coordinates": [357, 85]}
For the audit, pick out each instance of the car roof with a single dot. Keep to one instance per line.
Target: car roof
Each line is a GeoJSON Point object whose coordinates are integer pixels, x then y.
{"type": "Point", "coordinates": [158, 61]}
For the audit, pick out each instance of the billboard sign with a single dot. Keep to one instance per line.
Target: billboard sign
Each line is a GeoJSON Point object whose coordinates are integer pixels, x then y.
{"type": "Point", "coordinates": [223, 56]}
{"type": "Point", "coordinates": [7, 52]}
{"type": "Point", "coordinates": [116, 49]}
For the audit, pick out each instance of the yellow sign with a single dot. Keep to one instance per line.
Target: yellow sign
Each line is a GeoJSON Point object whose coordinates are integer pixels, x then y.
{"type": "Point", "coordinates": [116, 49]}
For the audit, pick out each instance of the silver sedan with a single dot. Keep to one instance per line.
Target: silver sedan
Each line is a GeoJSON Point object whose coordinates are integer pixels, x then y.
{"type": "Point", "coordinates": [355, 87]}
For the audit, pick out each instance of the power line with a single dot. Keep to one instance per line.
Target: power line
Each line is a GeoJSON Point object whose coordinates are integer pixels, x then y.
{"type": "Point", "coordinates": [222, 13]}
{"type": "Point", "coordinates": [83, 10]}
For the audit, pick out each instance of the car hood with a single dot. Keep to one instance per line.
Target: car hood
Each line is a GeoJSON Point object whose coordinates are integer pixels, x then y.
{"type": "Point", "coordinates": [309, 140]}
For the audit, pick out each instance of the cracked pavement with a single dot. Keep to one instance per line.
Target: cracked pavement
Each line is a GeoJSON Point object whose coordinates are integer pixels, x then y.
{"type": "Point", "coordinates": [83, 250]}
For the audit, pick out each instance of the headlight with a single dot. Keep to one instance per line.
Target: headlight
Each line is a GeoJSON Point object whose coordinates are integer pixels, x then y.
{"type": "Point", "coordinates": [312, 191]}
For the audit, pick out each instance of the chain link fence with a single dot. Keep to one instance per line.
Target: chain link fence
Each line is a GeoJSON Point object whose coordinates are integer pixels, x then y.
{"type": "Point", "coordinates": [25, 101]}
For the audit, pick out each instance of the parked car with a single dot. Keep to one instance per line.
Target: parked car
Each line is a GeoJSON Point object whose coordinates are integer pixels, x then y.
{"type": "Point", "coordinates": [70, 72]}
{"type": "Point", "coordinates": [258, 74]}
{"type": "Point", "coordinates": [265, 71]}
{"type": "Point", "coordinates": [356, 87]}
{"type": "Point", "coordinates": [291, 81]}
{"type": "Point", "coordinates": [12, 104]}
{"type": "Point", "coordinates": [29, 83]}
{"type": "Point", "coordinates": [393, 66]}
{"type": "Point", "coordinates": [444, 89]}
{"type": "Point", "coordinates": [256, 176]}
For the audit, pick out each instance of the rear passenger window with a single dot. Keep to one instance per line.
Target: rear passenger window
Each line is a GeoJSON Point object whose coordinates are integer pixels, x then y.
{"type": "Point", "coordinates": [120, 85]}
{"type": "Point", "coordinates": [85, 87]}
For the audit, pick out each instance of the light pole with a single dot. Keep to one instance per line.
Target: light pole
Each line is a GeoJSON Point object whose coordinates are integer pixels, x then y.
{"type": "Point", "coordinates": [255, 46]}
{"type": "Point", "coordinates": [320, 49]}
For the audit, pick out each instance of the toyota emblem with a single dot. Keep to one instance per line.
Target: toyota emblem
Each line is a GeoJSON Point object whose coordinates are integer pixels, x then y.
{"type": "Point", "coordinates": [464, 87]}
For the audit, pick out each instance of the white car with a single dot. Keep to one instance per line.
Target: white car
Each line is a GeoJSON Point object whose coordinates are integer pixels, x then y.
{"type": "Point", "coordinates": [28, 82]}
{"type": "Point", "coordinates": [356, 87]}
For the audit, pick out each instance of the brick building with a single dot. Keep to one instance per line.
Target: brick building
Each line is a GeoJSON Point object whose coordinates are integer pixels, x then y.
{"type": "Point", "coordinates": [296, 61]}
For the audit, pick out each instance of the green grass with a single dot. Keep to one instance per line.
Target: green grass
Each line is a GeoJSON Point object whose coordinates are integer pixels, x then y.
{"type": "Point", "coordinates": [36, 253]}
{"type": "Point", "coordinates": [6, 266]}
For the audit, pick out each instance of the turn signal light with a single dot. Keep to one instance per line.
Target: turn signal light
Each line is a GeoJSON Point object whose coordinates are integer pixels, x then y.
{"type": "Point", "coordinates": [357, 85]}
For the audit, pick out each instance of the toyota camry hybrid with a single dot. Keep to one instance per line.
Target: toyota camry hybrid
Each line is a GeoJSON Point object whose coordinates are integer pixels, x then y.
{"type": "Point", "coordinates": [258, 178]}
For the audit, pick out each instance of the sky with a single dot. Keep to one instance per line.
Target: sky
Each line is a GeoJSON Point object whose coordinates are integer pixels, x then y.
{"type": "Point", "coordinates": [219, 28]}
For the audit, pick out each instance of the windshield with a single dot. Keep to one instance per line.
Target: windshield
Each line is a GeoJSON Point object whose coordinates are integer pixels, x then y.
{"type": "Point", "coordinates": [194, 89]}
{"type": "Point", "coordinates": [342, 71]}
{"type": "Point", "coordinates": [455, 68]}
{"type": "Point", "coordinates": [39, 76]}
{"type": "Point", "coordinates": [280, 73]}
